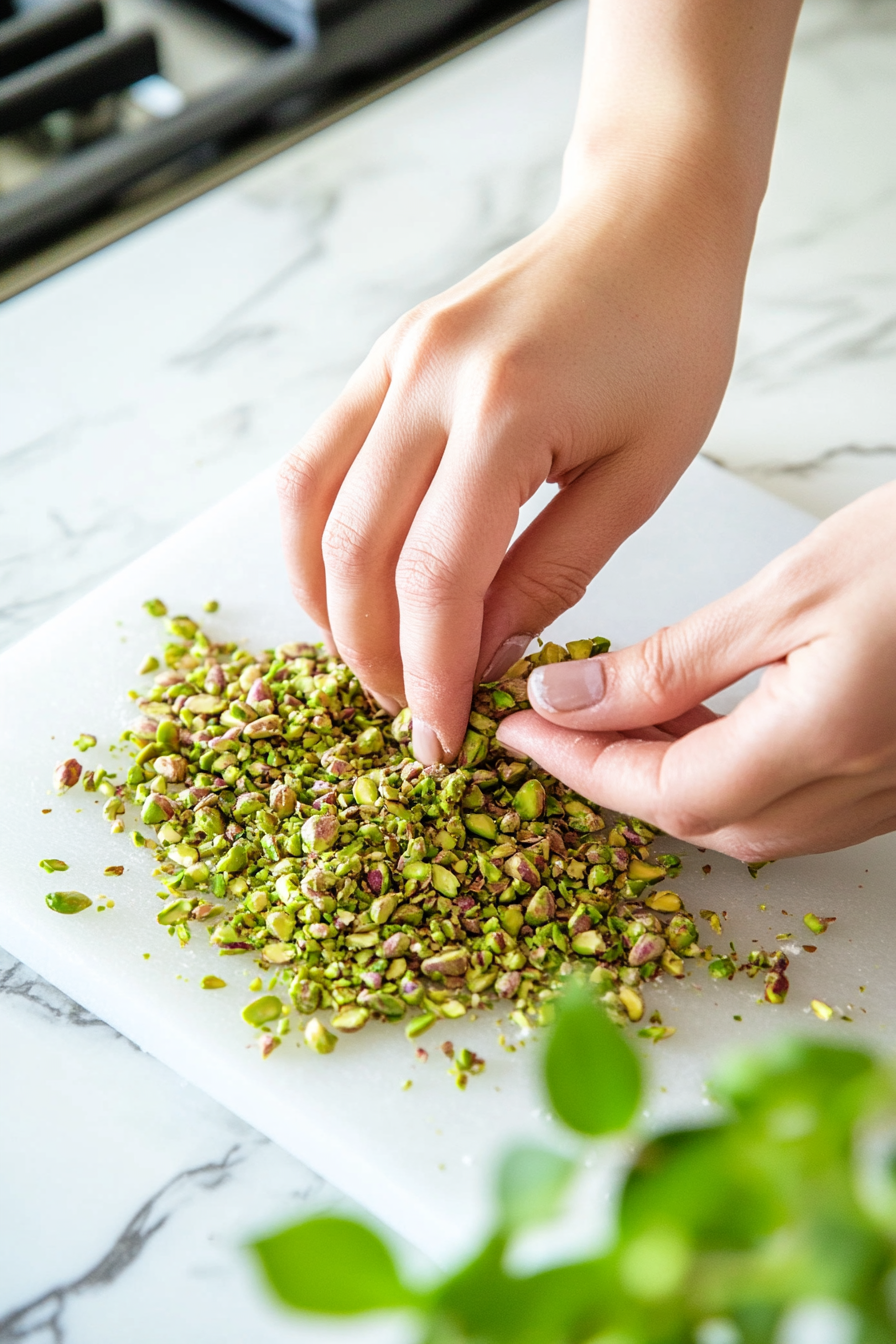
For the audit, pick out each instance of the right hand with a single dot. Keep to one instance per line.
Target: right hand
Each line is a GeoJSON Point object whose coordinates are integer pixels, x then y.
{"type": "Point", "coordinates": [592, 354]}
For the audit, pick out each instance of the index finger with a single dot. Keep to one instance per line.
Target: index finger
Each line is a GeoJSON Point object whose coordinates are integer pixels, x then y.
{"type": "Point", "coordinates": [453, 550]}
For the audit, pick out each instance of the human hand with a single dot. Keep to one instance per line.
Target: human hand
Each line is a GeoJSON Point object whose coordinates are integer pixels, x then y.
{"type": "Point", "coordinates": [592, 354]}
{"type": "Point", "coordinates": [806, 763]}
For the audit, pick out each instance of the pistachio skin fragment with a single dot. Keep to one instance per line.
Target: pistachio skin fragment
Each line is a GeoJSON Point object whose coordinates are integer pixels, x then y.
{"type": "Point", "coordinates": [67, 902]}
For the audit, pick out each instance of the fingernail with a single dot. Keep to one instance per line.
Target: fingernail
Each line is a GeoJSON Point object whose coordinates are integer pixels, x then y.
{"type": "Point", "coordinates": [426, 745]}
{"type": "Point", "coordinates": [385, 702]}
{"type": "Point", "coordinates": [561, 687]}
{"type": "Point", "coordinates": [506, 654]}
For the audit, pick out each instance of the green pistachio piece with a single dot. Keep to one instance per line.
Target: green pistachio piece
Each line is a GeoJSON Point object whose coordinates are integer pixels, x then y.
{"type": "Point", "coordinates": [473, 749]}
{"type": "Point", "coordinates": [155, 606]}
{"type": "Point", "coordinates": [212, 982]}
{"type": "Point", "coordinates": [381, 908]}
{"type": "Point", "coordinates": [418, 1025]}
{"type": "Point", "coordinates": [589, 943]}
{"type": "Point", "coordinates": [281, 924]}
{"type": "Point", "coordinates": [176, 912]}
{"type": "Point", "coordinates": [481, 824]}
{"type": "Point", "coordinates": [365, 791]}
{"type": "Point", "coordinates": [541, 907]}
{"type": "Point", "coordinates": [317, 1036]}
{"type": "Point", "coordinates": [266, 1009]}
{"type": "Point", "coordinates": [184, 855]}
{"type": "Point", "coordinates": [401, 727]}
{"type": "Point", "coordinates": [417, 871]}
{"type": "Point", "coordinates": [181, 626]}
{"type": "Point", "coordinates": [54, 865]}
{"type": "Point", "coordinates": [529, 801]}
{"type": "Point", "coordinates": [512, 919]}
{"type": "Point", "coordinates": [369, 742]}
{"type": "Point", "coordinates": [351, 1018]}
{"type": "Point", "coordinates": [168, 734]}
{"type": "Point", "coordinates": [579, 648]}
{"type": "Point", "coordinates": [681, 932]}
{"type": "Point", "coordinates": [68, 902]}
{"type": "Point", "coordinates": [234, 861]}
{"type": "Point", "coordinates": [444, 881]}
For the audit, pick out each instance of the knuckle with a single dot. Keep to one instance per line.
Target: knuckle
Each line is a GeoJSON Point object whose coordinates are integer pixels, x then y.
{"type": "Point", "coordinates": [656, 668]}
{"type": "Point", "coordinates": [346, 548]}
{"type": "Point", "coordinates": [422, 577]}
{"type": "Point", "coordinates": [298, 480]}
{"type": "Point", "coordinates": [558, 585]}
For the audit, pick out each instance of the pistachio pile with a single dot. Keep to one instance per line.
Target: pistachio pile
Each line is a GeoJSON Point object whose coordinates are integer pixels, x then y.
{"type": "Point", "coordinates": [293, 821]}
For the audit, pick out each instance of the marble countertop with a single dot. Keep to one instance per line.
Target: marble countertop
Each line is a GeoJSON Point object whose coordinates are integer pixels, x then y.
{"type": "Point", "coordinates": [150, 380]}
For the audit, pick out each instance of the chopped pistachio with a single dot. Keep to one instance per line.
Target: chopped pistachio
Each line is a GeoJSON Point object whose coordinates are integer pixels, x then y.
{"type": "Point", "coordinates": [317, 1036]}
{"type": "Point", "coordinates": [155, 606]}
{"type": "Point", "coordinates": [212, 982]}
{"type": "Point", "coordinates": [260, 1011]}
{"type": "Point", "coordinates": [66, 775]}
{"type": "Point", "coordinates": [368, 883]}
{"type": "Point", "coordinates": [53, 865]}
{"type": "Point", "coordinates": [68, 902]}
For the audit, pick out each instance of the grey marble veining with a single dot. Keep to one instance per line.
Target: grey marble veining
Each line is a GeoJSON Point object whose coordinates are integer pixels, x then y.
{"type": "Point", "coordinates": [152, 379]}
{"type": "Point", "coordinates": [127, 1195]}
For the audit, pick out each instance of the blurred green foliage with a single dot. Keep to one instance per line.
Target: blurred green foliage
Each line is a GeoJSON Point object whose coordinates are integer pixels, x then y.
{"type": "Point", "coordinates": [721, 1231]}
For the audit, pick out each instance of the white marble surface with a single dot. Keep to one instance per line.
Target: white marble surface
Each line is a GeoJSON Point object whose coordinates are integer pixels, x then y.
{"type": "Point", "coordinates": [202, 346]}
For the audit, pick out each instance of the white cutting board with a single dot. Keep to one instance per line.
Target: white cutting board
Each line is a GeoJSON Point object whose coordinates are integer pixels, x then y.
{"type": "Point", "coordinates": [419, 1158]}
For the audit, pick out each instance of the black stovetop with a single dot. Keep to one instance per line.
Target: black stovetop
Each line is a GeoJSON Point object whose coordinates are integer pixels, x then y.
{"type": "Point", "coordinates": [114, 111]}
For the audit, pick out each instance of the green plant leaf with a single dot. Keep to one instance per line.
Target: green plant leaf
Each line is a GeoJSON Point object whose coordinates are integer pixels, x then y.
{"type": "Point", "coordinates": [593, 1076]}
{"type": "Point", "coordinates": [531, 1184]}
{"type": "Point", "coordinates": [332, 1265]}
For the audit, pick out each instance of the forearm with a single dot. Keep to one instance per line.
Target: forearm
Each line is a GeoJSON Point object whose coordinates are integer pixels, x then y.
{"type": "Point", "coordinates": [684, 92]}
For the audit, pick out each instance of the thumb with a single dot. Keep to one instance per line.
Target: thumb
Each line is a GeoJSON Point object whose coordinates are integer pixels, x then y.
{"type": "Point", "coordinates": [664, 676]}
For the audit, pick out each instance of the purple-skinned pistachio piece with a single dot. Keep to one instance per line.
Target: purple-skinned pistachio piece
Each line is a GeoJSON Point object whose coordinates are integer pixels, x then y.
{"type": "Point", "coordinates": [283, 799]}
{"type": "Point", "coordinates": [172, 768]}
{"type": "Point", "coordinates": [320, 833]}
{"type": "Point", "coordinates": [541, 907]}
{"type": "Point", "coordinates": [649, 947]}
{"type": "Point", "coordinates": [157, 809]}
{"type": "Point", "coordinates": [522, 870]}
{"type": "Point", "coordinates": [270, 725]}
{"type": "Point", "coordinates": [507, 984]}
{"type": "Point", "coordinates": [66, 775]}
{"type": "Point", "coordinates": [452, 961]}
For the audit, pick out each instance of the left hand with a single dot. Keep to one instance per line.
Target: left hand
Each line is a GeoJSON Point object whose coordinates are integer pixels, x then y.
{"type": "Point", "coordinates": [805, 764]}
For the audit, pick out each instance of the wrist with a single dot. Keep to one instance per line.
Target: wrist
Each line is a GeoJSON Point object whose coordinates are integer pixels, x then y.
{"type": "Point", "coordinates": [680, 102]}
{"type": "Point", "coordinates": [680, 186]}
